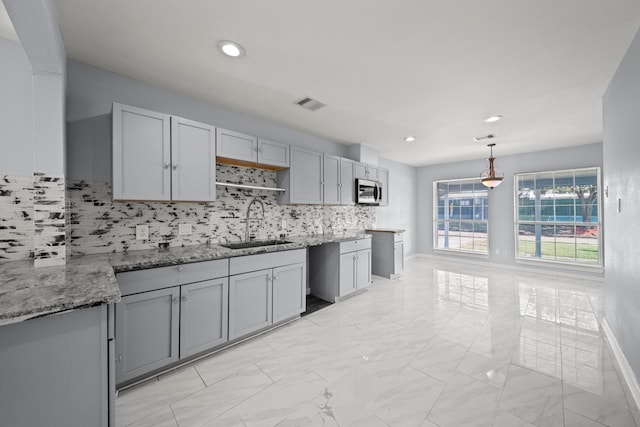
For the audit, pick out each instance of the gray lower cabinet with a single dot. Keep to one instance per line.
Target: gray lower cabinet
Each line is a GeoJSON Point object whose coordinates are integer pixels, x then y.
{"type": "Point", "coordinates": [54, 371]}
{"type": "Point", "coordinates": [339, 269]}
{"type": "Point", "coordinates": [203, 315]}
{"type": "Point", "coordinates": [169, 313]}
{"type": "Point", "coordinates": [250, 302]}
{"type": "Point", "coordinates": [387, 247]}
{"type": "Point", "coordinates": [267, 289]}
{"type": "Point", "coordinates": [147, 332]}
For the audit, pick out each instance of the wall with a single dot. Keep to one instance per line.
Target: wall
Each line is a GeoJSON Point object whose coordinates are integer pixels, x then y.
{"type": "Point", "coordinates": [621, 152]}
{"type": "Point", "coordinates": [16, 110]}
{"type": "Point", "coordinates": [91, 92]}
{"type": "Point", "coordinates": [501, 199]}
{"type": "Point", "coordinates": [401, 212]}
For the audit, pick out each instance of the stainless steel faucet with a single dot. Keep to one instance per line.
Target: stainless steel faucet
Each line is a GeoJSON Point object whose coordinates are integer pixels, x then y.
{"type": "Point", "coordinates": [249, 219]}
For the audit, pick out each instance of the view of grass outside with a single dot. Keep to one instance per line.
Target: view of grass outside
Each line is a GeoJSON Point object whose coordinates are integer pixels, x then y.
{"type": "Point", "coordinates": [558, 216]}
{"type": "Point", "coordinates": [461, 213]}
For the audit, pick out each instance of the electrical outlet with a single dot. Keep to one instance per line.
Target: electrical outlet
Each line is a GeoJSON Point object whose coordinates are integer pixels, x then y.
{"type": "Point", "coordinates": [184, 229]}
{"type": "Point", "coordinates": [283, 224]}
{"type": "Point", "coordinates": [142, 232]}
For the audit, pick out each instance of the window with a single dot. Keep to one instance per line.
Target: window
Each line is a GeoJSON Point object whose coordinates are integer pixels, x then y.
{"type": "Point", "coordinates": [461, 216]}
{"type": "Point", "coordinates": [558, 216]}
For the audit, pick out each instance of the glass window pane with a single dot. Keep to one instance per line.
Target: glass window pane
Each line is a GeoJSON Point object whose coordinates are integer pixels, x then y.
{"type": "Point", "coordinates": [526, 240]}
{"type": "Point", "coordinates": [480, 240]}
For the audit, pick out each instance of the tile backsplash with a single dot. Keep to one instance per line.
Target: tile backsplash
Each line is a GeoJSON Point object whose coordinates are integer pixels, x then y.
{"type": "Point", "coordinates": [96, 224]}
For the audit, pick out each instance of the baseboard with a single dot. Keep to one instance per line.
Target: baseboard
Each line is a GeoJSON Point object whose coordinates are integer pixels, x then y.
{"type": "Point", "coordinates": [519, 267]}
{"type": "Point", "coordinates": [623, 363]}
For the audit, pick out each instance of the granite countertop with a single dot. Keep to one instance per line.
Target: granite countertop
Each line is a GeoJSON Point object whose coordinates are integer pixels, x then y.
{"type": "Point", "coordinates": [27, 292]}
{"type": "Point", "coordinates": [386, 230]}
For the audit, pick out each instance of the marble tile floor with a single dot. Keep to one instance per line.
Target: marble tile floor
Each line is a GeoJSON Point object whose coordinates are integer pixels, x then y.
{"type": "Point", "coordinates": [447, 344]}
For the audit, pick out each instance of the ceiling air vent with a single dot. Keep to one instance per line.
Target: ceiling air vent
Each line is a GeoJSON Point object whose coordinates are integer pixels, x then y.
{"type": "Point", "coordinates": [310, 104]}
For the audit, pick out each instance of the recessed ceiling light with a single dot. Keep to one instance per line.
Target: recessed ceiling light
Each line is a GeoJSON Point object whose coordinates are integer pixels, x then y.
{"type": "Point", "coordinates": [231, 49]}
{"type": "Point", "coordinates": [492, 119]}
{"type": "Point", "coordinates": [409, 138]}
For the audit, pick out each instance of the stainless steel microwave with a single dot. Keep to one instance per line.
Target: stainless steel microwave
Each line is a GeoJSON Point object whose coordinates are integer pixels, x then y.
{"type": "Point", "coordinates": [368, 192]}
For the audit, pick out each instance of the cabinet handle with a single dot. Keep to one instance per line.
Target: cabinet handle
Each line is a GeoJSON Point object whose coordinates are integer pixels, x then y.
{"type": "Point", "coordinates": [259, 150]}
{"type": "Point", "coordinates": [175, 300]}
{"type": "Point", "coordinates": [118, 358]}
{"type": "Point", "coordinates": [166, 165]}
{"type": "Point", "coordinates": [180, 268]}
{"type": "Point", "coordinates": [175, 167]}
{"type": "Point", "coordinates": [275, 277]}
{"type": "Point", "coordinates": [184, 298]}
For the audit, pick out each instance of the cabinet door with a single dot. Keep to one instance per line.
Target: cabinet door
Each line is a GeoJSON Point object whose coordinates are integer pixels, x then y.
{"type": "Point", "coordinates": [347, 182]}
{"type": "Point", "coordinates": [236, 145]}
{"type": "Point", "coordinates": [372, 173]}
{"type": "Point", "coordinates": [331, 180]}
{"type": "Point", "coordinates": [273, 153]}
{"type": "Point", "coordinates": [398, 257]}
{"type": "Point", "coordinates": [306, 176]}
{"type": "Point", "coordinates": [347, 273]}
{"type": "Point", "coordinates": [146, 332]}
{"type": "Point", "coordinates": [141, 154]}
{"type": "Point", "coordinates": [250, 302]}
{"type": "Point", "coordinates": [383, 177]}
{"type": "Point", "coordinates": [203, 315]}
{"type": "Point", "coordinates": [361, 170]}
{"type": "Point", "coordinates": [363, 268]}
{"type": "Point", "coordinates": [289, 291]}
{"type": "Point", "coordinates": [193, 161]}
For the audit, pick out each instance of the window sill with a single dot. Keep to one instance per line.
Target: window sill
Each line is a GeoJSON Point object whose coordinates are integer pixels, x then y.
{"type": "Point", "coordinates": [559, 264]}
{"type": "Point", "coordinates": [460, 253]}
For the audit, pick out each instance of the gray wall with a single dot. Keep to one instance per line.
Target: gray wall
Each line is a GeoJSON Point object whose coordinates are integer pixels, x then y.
{"type": "Point", "coordinates": [621, 151]}
{"type": "Point", "coordinates": [91, 91]}
{"type": "Point", "coordinates": [401, 212]}
{"type": "Point", "coordinates": [501, 199]}
{"type": "Point", "coordinates": [16, 110]}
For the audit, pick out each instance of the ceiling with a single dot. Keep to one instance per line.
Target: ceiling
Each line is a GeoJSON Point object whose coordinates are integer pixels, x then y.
{"type": "Point", "coordinates": [434, 69]}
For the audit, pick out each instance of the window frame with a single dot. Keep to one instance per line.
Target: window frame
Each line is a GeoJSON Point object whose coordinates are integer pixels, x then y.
{"type": "Point", "coordinates": [436, 220]}
{"type": "Point", "coordinates": [599, 266]}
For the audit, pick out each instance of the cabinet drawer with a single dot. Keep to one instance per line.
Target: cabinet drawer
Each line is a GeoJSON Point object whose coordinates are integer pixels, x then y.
{"type": "Point", "coordinates": [133, 282]}
{"type": "Point", "coordinates": [205, 270]}
{"type": "Point", "coordinates": [245, 264]}
{"type": "Point", "coordinates": [355, 245]}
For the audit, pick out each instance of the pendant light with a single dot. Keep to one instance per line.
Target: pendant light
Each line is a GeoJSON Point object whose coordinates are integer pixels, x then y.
{"type": "Point", "coordinates": [491, 178]}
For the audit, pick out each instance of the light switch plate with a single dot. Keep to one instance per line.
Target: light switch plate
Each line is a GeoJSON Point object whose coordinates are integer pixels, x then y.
{"type": "Point", "coordinates": [184, 229]}
{"type": "Point", "coordinates": [142, 232]}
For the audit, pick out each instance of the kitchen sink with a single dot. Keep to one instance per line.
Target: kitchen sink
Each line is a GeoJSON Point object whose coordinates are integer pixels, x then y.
{"type": "Point", "coordinates": [254, 244]}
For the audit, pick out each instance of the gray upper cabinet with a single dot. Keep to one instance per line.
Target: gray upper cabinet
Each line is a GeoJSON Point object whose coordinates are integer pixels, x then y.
{"type": "Point", "coordinates": [365, 171]}
{"type": "Point", "coordinates": [193, 169]}
{"type": "Point", "coordinates": [331, 180]}
{"type": "Point", "coordinates": [159, 157]}
{"type": "Point", "coordinates": [273, 153]}
{"type": "Point", "coordinates": [252, 150]}
{"type": "Point", "coordinates": [146, 332]}
{"type": "Point", "coordinates": [203, 315]}
{"type": "Point", "coordinates": [236, 145]}
{"type": "Point", "coordinates": [303, 181]}
{"type": "Point", "coordinates": [250, 302]}
{"type": "Point", "coordinates": [347, 182]}
{"type": "Point", "coordinates": [141, 154]}
{"type": "Point", "coordinates": [361, 170]}
{"type": "Point", "coordinates": [383, 177]}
